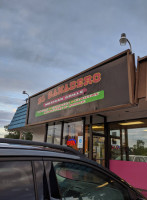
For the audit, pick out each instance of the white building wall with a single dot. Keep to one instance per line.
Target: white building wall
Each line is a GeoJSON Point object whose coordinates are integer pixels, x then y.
{"type": "Point", "coordinates": [38, 133]}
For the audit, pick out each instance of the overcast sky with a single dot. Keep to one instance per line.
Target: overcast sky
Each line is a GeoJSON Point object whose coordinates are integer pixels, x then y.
{"type": "Point", "coordinates": [43, 42]}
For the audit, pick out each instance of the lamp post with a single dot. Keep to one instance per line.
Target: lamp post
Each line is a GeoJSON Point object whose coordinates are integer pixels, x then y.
{"type": "Point", "coordinates": [24, 92]}
{"type": "Point", "coordinates": [123, 40]}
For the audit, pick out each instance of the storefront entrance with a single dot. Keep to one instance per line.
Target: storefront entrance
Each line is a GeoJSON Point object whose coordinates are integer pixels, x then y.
{"type": "Point", "coordinates": [86, 135]}
{"type": "Point", "coordinates": [99, 149]}
{"type": "Point", "coordinates": [95, 141]}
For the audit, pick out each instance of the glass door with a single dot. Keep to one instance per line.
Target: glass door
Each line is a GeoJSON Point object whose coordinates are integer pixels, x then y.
{"type": "Point", "coordinates": [118, 144]}
{"type": "Point", "coordinates": [99, 149]}
{"type": "Point", "coordinates": [95, 138]}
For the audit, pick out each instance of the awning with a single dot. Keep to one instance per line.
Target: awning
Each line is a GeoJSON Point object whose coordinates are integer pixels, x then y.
{"type": "Point", "coordinates": [19, 118]}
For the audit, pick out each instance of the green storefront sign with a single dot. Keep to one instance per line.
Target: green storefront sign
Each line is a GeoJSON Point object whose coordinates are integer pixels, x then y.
{"type": "Point", "coordinates": [76, 102]}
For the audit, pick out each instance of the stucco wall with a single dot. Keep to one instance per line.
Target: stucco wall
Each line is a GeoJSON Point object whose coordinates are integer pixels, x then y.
{"type": "Point", "coordinates": [38, 133]}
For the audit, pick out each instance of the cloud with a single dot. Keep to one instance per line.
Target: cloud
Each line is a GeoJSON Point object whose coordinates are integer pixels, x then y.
{"type": "Point", "coordinates": [62, 34]}
{"type": "Point", "coordinates": [5, 116]}
{"type": "Point", "coordinates": [2, 132]}
{"type": "Point", "coordinates": [10, 100]}
{"type": "Point", "coordinates": [5, 119]}
{"type": "Point", "coordinates": [4, 42]}
{"type": "Point", "coordinates": [45, 42]}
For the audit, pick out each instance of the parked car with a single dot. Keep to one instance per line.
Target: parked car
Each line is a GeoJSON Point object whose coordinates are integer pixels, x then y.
{"type": "Point", "coordinates": [41, 171]}
{"type": "Point", "coordinates": [134, 158]}
{"type": "Point", "coordinates": [138, 158]}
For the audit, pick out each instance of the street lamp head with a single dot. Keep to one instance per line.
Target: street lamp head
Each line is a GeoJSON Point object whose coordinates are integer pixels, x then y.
{"type": "Point", "coordinates": [123, 39]}
{"type": "Point", "coordinates": [24, 92]}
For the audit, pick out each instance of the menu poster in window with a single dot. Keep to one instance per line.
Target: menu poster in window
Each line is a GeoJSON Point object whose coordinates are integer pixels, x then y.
{"type": "Point", "coordinates": [80, 142]}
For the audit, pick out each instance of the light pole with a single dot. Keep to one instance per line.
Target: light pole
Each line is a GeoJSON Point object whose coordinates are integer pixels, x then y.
{"type": "Point", "coordinates": [123, 40]}
{"type": "Point", "coordinates": [24, 92]}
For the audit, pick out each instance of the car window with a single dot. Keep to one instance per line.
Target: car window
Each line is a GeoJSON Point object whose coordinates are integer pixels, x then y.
{"type": "Point", "coordinates": [16, 181]}
{"type": "Point", "coordinates": [79, 182]}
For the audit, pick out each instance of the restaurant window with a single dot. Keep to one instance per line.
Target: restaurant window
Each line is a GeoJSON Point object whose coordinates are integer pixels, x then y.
{"type": "Point", "coordinates": [129, 140]}
{"type": "Point", "coordinates": [54, 133]}
{"type": "Point", "coordinates": [73, 135]}
{"type": "Point", "coordinates": [137, 144]}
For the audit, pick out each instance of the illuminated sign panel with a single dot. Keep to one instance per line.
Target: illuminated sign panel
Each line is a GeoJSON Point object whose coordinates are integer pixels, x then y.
{"type": "Point", "coordinates": [100, 87]}
{"type": "Point", "coordinates": [76, 102]}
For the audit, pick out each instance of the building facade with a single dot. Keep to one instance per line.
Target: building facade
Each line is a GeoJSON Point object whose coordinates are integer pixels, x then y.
{"type": "Point", "coordinates": [101, 112]}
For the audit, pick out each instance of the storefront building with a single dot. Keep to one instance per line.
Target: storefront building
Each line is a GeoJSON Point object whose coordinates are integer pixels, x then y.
{"type": "Point", "coordinates": [101, 112]}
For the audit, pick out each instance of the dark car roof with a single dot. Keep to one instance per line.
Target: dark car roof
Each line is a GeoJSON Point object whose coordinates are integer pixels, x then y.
{"type": "Point", "coordinates": [18, 150]}
{"type": "Point", "coordinates": [27, 144]}
{"type": "Point", "coordinates": [14, 147]}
